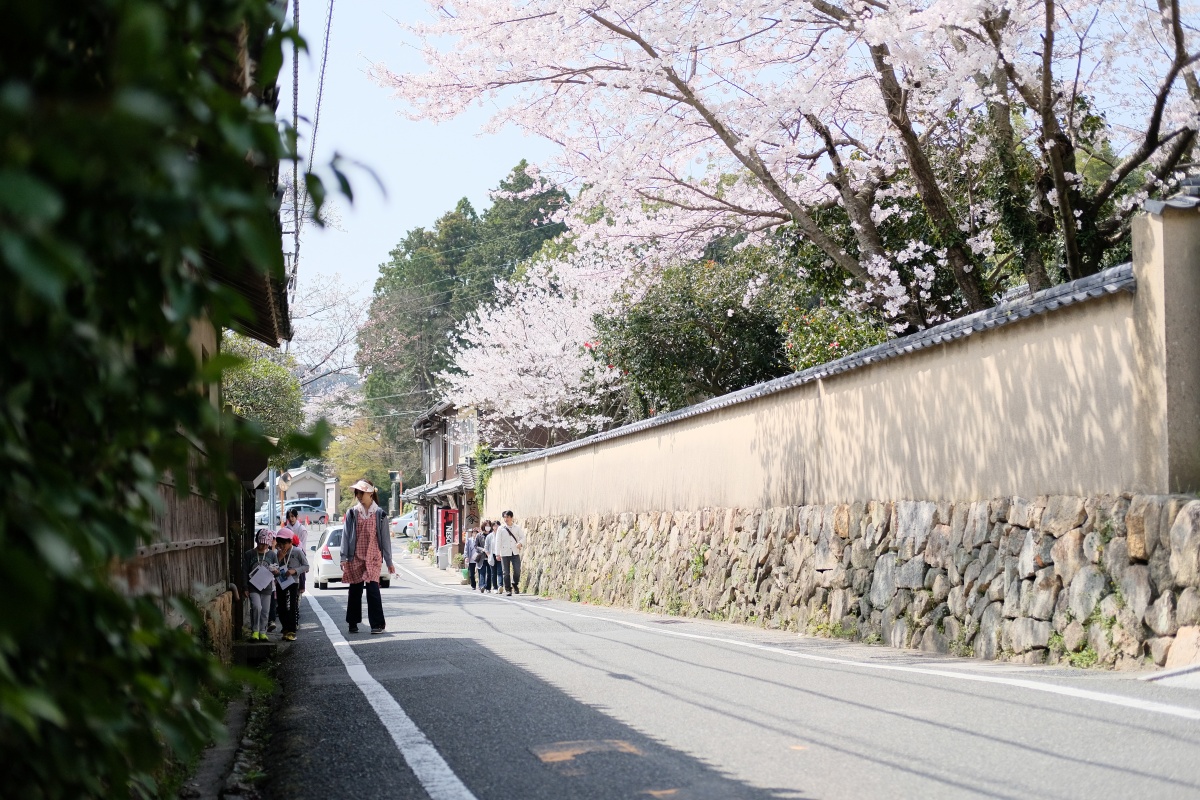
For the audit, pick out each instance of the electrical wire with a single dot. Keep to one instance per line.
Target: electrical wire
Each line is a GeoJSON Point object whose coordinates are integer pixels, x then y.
{"type": "Point", "coordinates": [312, 144]}
{"type": "Point", "coordinates": [295, 161]}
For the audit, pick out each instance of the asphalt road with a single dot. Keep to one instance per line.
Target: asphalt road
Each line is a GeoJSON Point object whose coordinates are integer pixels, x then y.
{"type": "Point", "coordinates": [526, 698]}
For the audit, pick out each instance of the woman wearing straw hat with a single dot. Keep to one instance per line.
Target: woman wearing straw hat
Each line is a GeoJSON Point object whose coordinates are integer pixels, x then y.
{"type": "Point", "coordinates": [366, 545]}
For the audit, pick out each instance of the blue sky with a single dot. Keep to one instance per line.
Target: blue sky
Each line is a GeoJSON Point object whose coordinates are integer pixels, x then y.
{"type": "Point", "coordinates": [424, 168]}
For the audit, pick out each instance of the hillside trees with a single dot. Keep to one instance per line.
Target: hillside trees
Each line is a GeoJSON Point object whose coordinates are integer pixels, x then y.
{"type": "Point", "coordinates": [433, 280]}
{"type": "Point", "coordinates": [932, 151]}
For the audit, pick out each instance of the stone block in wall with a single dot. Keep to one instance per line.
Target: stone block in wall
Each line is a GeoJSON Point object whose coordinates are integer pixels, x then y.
{"type": "Point", "coordinates": [1187, 608]}
{"type": "Point", "coordinates": [1185, 650]}
{"type": "Point", "coordinates": [1141, 525]}
{"type": "Point", "coordinates": [935, 641]}
{"type": "Point", "coordinates": [940, 586]}
{"type": "Point", "coordinates": [1036, 553]}
{"type": "Point", "coordinates": [1115, 558]}
{"type": "Point", "coordinates": [1074, 637]}
{"type": "Point", "coordinates": [883, 585]}
{"type": "Point", "coordinates": [1025, 634]}
{"type": "Point", "coordinates": [1185, 546]}
{"type": "Point", "coordinates": [986, 644]}
{"type": "Point", "coordinates": [1159, 647]}
{"type": "Point", "coordinates": [912, 521]}
{"type": "Point", "coordinates": [829, 551]}
{"type": "Point", "coordinates": [998, 509]}
{"type": "Point", "coordinates": [1062, 513]}
{"type": "Point", "coordinates": [1097, 637]}
{"type": "Point", "coordinates": [1023, 513]}
{"type": "Point", "coordinates": [1012, 599]}
{"type": "Point", "coordinates": [1135, 588]}
{"type": "Point", "coordinates": [876, 522]}
{"type": "Point", "coordinates": [938, 550]}
{"type": "Point", "coordinates": [841, 521]}
{"type": "Point", "coordinates": [1087, 589]}
{"type": "Point", "coordinates": [1160, 616]}
{"type": "Point", "coordinates": [912, 574]}
{"type": "Point", "coordinates": [1042, 595]}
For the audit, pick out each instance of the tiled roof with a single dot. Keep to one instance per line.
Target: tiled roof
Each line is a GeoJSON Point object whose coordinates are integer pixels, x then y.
{"type": "Point", "coordinates": [1109, 281]}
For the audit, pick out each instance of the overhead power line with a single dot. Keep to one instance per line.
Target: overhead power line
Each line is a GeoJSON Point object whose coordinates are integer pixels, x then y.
{"type": "Point", "coordinates": [312, 143]}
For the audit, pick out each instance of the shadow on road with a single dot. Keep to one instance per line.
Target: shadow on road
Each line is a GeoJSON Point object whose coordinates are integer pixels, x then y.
{"type": "Point", "coordinates": [508, 734]}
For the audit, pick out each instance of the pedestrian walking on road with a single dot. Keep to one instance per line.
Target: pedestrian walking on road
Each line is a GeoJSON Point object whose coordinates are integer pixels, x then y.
{"type": "Point", "coordinates": [484, 568]}
{"type": "Point", "coordinates": [493, 556]}
{"type": "Point", "coordinates": [366, 545]}
{"type": "Point", "coordinates": [292, 564]}
{"type": "Point", "coordinates": [300, 540]}
{"type": "Point", "coordinates": [261, 556]}
{"type": "Point", "coordinates": [469, 557]}
{"type": "Point", "coordinates": [510, 539]}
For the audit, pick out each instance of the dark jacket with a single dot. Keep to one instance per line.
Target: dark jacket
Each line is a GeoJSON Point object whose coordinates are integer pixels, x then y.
{"type": "Point", "coordinates": [250, 561]}
{"type": "Point", "coordinates": [350, 536]}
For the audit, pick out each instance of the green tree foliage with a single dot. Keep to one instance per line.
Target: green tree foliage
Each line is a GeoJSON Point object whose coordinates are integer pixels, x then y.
{"type": "Point", "coordinates": [815, 336]}
{"type": "Point", "coordinates": [433, 279]}
{"type": "Point", "coordinates": [263, 388]}
{"type": "Point", "coordinates": [361, 451]}
{"type": "Point", "coordinates": [702, 329]}
{"type": "Point", "coordinates": [130, 166]}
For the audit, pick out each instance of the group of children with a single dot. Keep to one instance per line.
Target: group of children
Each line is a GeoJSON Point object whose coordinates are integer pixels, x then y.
{"type": "Point", "coordinates": [275, 571]}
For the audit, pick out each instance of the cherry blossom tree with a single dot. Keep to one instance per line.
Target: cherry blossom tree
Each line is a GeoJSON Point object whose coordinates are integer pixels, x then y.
{"type": "Point", "coordinates": [326, 317]}
{"type": "Point", "coordinates": [524, 361]}
{"type": "Point", "coordinates": [929, 152]}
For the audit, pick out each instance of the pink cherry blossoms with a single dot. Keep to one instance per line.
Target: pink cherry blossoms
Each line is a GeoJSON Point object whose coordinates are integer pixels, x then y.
{"type": "Point", "coordinates": [686, 118]}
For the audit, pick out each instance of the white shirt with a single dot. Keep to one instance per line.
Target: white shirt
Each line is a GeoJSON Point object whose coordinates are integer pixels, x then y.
{"type": "Point", "coordinates": [509, 540]}
{"type": "Point", "coordinates": [489, 547]}
{"type": "Point", "coordinates": [301, 529]}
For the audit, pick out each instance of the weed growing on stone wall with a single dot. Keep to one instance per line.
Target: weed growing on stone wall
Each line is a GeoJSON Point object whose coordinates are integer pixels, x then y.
{"type": "Point", "coordinates": [873, 638]}
{"type": "Point", "coordinates": [698, 561]}
{"type": "Point", "coordinates": [831, 630]}
{"type": "Point", "coordinates": [1087, 657]}
{"type": "Point", "coordinates": [574, 596]}
{"type": "Point", "coordinates": [674, 604]}
{"type": "Point", "coordinates": [961, 647]}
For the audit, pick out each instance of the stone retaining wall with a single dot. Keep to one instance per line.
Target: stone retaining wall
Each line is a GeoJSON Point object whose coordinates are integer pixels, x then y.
{"type": "Point", "coordinates": [1104, 580]}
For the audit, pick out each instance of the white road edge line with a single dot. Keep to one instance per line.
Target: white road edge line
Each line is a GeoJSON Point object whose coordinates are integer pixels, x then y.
{"type": "Point", "coordinates": [423, 758]}
{"type": "Point", "coordinates": [1036, 686]}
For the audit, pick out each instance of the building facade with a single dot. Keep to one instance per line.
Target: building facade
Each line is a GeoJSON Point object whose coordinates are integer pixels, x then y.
{"type": "Point", "coordinates": [446, 503]}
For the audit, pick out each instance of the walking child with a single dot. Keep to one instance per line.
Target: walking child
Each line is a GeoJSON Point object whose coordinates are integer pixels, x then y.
{"type": "Point", "coordinates": [261, 559]}
{"type": "Point", "coordinates": [292, 564]}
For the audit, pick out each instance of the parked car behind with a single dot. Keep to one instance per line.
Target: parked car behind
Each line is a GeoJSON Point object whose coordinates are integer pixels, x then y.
{"type": "Point", "coordinates": [311, 507]}
{"type": "Point", "coordinates": [326, 560]}
{"type": "Point", "coordinates": [404, 525]}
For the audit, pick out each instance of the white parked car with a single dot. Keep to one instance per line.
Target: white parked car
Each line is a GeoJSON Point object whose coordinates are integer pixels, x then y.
{"type": "Point", "coordinates": [325, 560]}
{"type": "Point", "coordinates": [405, 525]}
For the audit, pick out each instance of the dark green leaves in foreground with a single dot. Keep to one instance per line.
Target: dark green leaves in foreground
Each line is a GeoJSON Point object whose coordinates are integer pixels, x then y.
{"type": "Point", "coordinates": [129, 166]}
